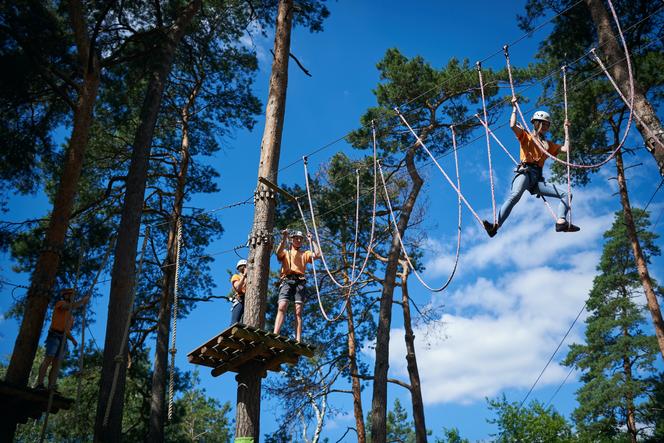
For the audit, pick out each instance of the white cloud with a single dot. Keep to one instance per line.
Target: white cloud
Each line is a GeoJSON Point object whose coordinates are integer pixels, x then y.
{"type": "Point", "coordinates": [515, 297]}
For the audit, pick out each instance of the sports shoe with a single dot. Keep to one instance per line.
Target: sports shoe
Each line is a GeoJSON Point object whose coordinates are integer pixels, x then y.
{"type": "Point", "coordinates": [491, 228]}
{"type": "Point", "coordinates": [566, 227]}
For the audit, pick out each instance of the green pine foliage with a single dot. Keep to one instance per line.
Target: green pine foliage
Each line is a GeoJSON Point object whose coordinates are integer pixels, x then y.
{"type": "Point", "coordinates": [618, 356]}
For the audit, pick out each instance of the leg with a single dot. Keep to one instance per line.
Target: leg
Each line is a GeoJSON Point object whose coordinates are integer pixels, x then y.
{"type": "Point", "coordinates": [298, 321]}
{"type": "Point", "coordinates": [48, 361]}
{"type": "Point", "coordinates": [236, 313]}
{"type": "Point", "coordinates": [561, 194]}
{"type": "Point", "coordinates": [520, 183]}
{"type": "Point", "coordinates": [281, 313]}
{"type": "Point", "coordinates": [53, 373]}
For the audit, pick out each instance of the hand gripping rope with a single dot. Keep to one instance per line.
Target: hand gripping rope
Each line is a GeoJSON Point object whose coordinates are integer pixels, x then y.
{"type": "Point", "coordinates": [119, 358]}
{"type": "Point", "coordinates": [630, 105]}
{"type": "Point", "coordinates": [485, 123]}
{"type": "Point", "coordinates": [174, 320]}
{"type": "Point", "coordinates": [440, 168]}
{"type": "Point", "coordinates": [354, 278]}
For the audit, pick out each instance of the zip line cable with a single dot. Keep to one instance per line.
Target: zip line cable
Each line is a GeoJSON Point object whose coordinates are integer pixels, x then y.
{"type": "Point", "coordinates": [571, 369]}
{"type": "Point", "coordinates": [583, 308]}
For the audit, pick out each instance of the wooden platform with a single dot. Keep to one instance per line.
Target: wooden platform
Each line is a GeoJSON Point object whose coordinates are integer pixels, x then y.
{"type": "Point", "coordinates": [239, 345]}
{"type": "Point", "coordinates": [25, 403]}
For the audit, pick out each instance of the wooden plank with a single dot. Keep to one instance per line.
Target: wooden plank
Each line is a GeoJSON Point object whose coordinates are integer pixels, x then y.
{"type": "Point", "coordinates": [234, 364]}
{"type": "Point", "coordinates": [271, 341]}
{"type": "Point", "coordinates": [213, 353]}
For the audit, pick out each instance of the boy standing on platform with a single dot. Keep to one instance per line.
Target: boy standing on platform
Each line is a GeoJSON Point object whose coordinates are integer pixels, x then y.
{"type": "Point", "coordinates": [239, 283]}
{"type": "Point", "coordinates": [58, 333]}
{"type": "Point", "coordinates": [292, 281]}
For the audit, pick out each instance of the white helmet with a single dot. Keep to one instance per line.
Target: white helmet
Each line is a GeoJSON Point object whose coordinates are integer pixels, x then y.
{"type": "Point", "coordinates": [541, 115]}
{"type": "Point", "coordinates": [297, 234]}
{"type": "Point", "coordinates": [242, 262]}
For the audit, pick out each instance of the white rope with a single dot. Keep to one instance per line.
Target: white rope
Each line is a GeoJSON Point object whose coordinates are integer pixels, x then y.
{"type": "Point", "coordinates": [398, 233]}
{"type": "Point", "coordinates": [488, 144]}
{"type": "Point", "coordinates": [174, 320]}
{"type": "Point", "coordinates": [630, 106]}
{"type": "Point", "coordinates": [354, 278]}
{"type": "Point", "coordinates": [119, 358]}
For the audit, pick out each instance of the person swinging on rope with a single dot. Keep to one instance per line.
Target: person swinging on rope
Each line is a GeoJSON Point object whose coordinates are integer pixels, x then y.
{"type": "Point", "coordinates": [59, 331]}
{"type": "Point", "coordinates": [239, 283]}
{"type": "Point", "coordinates": [292, 285]}
{"type": "Point", "coordinates": [529, 171]}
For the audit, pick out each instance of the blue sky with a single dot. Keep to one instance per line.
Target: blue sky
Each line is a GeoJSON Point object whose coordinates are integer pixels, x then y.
{"type": "Point", "coordinates": [513, 298]}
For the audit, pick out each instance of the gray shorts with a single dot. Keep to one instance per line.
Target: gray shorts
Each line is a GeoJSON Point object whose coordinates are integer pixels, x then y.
{"type": "Point", "coordinates": [293, 289]}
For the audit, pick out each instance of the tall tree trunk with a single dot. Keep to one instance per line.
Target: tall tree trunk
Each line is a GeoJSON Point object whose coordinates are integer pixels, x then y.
{"type": "Point", "coordinates": [124, 265]}
{"type": "Point", "coordinates": [355, 381]}
{"type": "Point", "coordinates": [639, 259]}
{"type": "Point", "coordinates": [653, 131]}
{"type": "Point", "coordinates": [411, 359]}
{"type": "Point", "coordinates": [158, 388]}
{"type": "Point", "coordinates": [46, 268]}
{"type": "Point", "coordinates": [379, 401]}
{"type": "Point", "coordinates": [247, 416]}
{"type": "Point", "coordinates": [159, 373]}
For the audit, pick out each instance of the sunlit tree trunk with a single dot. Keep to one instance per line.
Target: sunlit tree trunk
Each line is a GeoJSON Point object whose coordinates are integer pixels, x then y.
{"type": "Point", "coordinates": [247, 416]}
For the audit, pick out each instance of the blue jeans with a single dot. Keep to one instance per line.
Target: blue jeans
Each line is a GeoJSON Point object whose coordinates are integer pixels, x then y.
{"type": "Point", "coordinates": [529, 180]}
{"type": "Point", "coordinates": [236, 313]}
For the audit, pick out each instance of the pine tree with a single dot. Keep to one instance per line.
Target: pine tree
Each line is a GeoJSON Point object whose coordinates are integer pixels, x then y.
{"type": "Point", "coordinates": [619, 350]}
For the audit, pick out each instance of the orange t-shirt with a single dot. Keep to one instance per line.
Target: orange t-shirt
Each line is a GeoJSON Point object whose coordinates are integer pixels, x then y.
{"type": "Point", "coordinates": [294, 261]}
{"type": "Point", "coordinates": [530, 153]}
{"type": "Point", "coordinates": [62, 317]}
{"type": "Point", "coordinates": [238, 277]}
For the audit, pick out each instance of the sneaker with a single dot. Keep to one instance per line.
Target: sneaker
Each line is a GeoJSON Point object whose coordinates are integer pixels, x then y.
{"type": "Point", "coordinates": [491, 228]}
{"type": "Point", "coordinates": [566, 227]}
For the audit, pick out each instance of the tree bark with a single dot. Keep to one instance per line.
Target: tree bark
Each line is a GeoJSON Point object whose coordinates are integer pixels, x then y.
{"type": "Point", "coordinates": [46, 268]}
{"type": "Point", "coordinates": [247, 416]}
{"type": "Point", "coordinates": [411, 359]}
{"type": "Point", "coordinates": [639, 259]}
{"type": "Point", "coordinates": [653, 131]}
{"type": "Point", "coordinates": [124, 265]}
{"type": "Point", "coordinates": [355, 381]}
{"type": "Point", "coordinates": [381, 366]}
{"type": "Point", "coordinates": [158, 388]}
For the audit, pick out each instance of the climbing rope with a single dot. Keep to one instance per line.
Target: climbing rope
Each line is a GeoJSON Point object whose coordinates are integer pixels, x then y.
{"type": "Point", "coordinates": [313, 267]}
{"type": "Point", "coordinates": [353, 278]}
{"type": "Point", "coordinates": [440, 168]}
{"type": "Point", "coordinates": [485, 123]}
{"type": "Point", "coordinates": [486, 126]}
{"type": "Point", "coordinates": [119, 358]}
{"type": "Point", "coordinates": [567, 151]}
{"type": "Point", "coordinates": [630, 105]}
{"type": "Point", "coordinates": [623, 98]}
{"type": "Point", "coordinates": [174, 320]}
{"type": "Point", "coordinates": [398, 233]}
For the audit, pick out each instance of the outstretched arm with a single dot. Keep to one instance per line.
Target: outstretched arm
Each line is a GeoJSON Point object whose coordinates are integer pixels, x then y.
{"type": "Point", "coordinates": [565, 147]}
{"type": "Point", "coordinates": [515, 128]}
{"type": "Point", "coordinates": [284, 240]}
{"type": "Point", "coordinates": [80, 302]}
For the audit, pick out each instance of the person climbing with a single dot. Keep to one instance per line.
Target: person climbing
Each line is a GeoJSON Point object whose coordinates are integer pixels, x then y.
{"type": "Point", "coordinates": [239, 284]}
{"type": "Point", "coordinates": [60, 329]}
{"type": "Point", "coordinates": [529, 171]}
{"type": "Point", "coordinates": [292, 285]}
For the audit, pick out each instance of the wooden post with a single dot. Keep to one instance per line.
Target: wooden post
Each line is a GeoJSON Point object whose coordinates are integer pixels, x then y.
{"type": "Point", "coordinates": [260, 242]}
